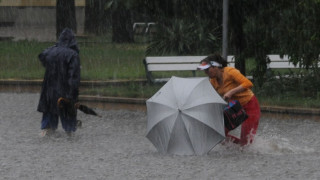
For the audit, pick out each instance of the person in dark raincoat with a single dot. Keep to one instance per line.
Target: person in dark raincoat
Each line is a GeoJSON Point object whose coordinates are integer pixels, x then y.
{"type": "Point", "coordinates": [61, 79]}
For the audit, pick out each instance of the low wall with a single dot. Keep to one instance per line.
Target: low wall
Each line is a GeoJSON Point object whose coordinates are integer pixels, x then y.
{"type": "Point", "coordinates": [38, 23]}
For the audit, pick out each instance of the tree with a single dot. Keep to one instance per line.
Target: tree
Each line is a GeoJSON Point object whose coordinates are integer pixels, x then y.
{"type": "Point", "coordinates": [257, 28]}
{"type": "Point", "coordinates": [237, 15]}
{"type": "Point", "coordinates": [65, 16]}
{"type": "Point", "coordinates": [97, 18]}
{"type": "Point", "coordinates": [185, 27]}
{"type": "Point", "coordinates": [122, 21]}
{"type": "Point", "coordinates": [299, 34]}
{"type": "Point", "coordinates": [282, 27]}
{"type": "Point", "coordinates": [259, 34]}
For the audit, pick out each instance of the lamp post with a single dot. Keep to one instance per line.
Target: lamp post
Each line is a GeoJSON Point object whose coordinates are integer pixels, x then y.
{"type": "Point", "coordinates": [225, 29]}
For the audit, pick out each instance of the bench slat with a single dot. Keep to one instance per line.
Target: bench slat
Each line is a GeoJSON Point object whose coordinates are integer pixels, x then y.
{"type": "Point", "coordinates": [175, 67]}
{"type": "Point", "coordinates": [276, 57]}
{"type": "Point", "coordinates": [173, 59]}
{"type": "Point", "coordinates": [179, 59]}
{"type": "Point", "coordinates": [281, 65]}
{"type": "Point", "coordinates": [172, 67]}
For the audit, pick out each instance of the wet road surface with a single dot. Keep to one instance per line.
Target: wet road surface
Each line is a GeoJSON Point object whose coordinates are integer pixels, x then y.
{"type": "Point", "coordinates": [114, 147]}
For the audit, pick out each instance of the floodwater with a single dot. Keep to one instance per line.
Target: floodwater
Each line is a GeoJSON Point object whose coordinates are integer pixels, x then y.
{"type": "Point", "coordinates": [114, 147]}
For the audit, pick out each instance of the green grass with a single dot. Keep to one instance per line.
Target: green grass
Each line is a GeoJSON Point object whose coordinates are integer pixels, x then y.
{"type": "Point", "coordinates": [304, 102]}
{"type": "Point", "coordinates": [112, 61]}
{"type": "Point", "coordinates": [99, 61]}
{"type": "Point", "coordinates": [102, 60]}
{"type": "Point", "coordinates": [19, 59]}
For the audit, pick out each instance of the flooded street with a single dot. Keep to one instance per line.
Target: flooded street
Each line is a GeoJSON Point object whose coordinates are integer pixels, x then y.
{"type": "Point", "coordinates": [115, 147]}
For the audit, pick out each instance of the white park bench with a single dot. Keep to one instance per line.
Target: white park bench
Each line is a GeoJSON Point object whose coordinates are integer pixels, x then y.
{"type": "Point", "coordinates": [276, 62]}
{"type": "Point", "coordinates": [174, 63]}
{"type": "Point", "coordinates": [190, 63]}
{"type": "Point", "coordinates": [143, 27]}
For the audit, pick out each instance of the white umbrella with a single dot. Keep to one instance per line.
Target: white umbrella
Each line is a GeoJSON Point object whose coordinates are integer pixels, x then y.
{"type": "Point", "coordinates": [185, 117]}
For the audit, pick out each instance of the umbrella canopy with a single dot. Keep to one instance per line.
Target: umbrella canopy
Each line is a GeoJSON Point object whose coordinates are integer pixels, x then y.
{"type": "Point", "coordinates": [185, 117]}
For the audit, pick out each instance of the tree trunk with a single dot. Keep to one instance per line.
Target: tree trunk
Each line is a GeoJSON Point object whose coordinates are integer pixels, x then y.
{"type": "Point", "coordinates": [122, 30]}
{"type": "Point", "coordinates": [96, 17]}
{"type": "Point", "coordinates": [239, 47]}
{"type": "Point", "coordinates": [237, 21]}
{"type": "Point", "coordinates": [65, 16]}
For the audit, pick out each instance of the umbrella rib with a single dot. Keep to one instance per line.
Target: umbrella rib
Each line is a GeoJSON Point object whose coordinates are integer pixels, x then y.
{"type": "Point", "coordinates": [187, 108]}
{"type": "Point", "coordinates": [187, 136]}
{"type": "Point", "coordinates": [184, 125]}
{"type": "Point", "coordinates": [162, 104]}
{"type": "Point", "coordinates": [193, 145]}
{"type": "Point", "coordinates": [196, 119]}
{"type": "Point", "coordinates": [166, 117]}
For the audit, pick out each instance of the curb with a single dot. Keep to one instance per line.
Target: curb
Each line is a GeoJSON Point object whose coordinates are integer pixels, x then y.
{"type": "Point", "coordinates": [142, 101]}
{"type": "Point", "coordinates": [291, 110]}
{"type": "Point", "coordinates": [38, 82]}
{"type": "Point", "coordinates": [105, 99]}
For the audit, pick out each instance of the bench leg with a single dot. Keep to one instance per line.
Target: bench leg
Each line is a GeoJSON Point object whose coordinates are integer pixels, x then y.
{"type": "Point", "coordinates": [194, 73]}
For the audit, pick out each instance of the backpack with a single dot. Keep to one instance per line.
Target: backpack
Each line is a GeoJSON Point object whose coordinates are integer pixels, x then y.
{"type": "Point", "coordinates": [234, 115]}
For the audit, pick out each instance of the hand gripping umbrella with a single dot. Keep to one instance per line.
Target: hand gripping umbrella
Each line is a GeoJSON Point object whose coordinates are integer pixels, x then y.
{"type": "Point", "coordinates": [185, 117]}
{"type": "Point", "coordinates": [70, 107]}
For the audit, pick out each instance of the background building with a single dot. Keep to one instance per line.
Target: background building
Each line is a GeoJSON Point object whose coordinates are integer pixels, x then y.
{"type": "Point", "coordinates": [34, 19]}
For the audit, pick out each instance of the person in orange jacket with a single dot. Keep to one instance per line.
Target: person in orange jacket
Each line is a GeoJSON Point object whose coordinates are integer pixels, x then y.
{"type": "Point", "coordinates": [232, 85]}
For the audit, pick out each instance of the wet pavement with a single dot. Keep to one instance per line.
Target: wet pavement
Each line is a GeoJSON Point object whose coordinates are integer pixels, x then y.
{"type": "Point", "coordinates": [114, 147]}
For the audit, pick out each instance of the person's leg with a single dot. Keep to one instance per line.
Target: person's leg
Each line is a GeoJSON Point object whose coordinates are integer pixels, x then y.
{"type": "Point", "coordinates": [69, 123]}
{"type": "Point", "coordinates": [49, 122]}
{"type": "Point", "coordinates": [231, 138]}
{"type": "Point", "coordinates": [249, 127]}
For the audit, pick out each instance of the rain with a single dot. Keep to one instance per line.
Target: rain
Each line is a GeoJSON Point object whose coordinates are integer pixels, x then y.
{"type": "Point", "coordinates": [114, 145]}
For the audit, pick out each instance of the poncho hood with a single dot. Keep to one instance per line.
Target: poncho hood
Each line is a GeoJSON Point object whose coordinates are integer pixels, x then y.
{"type": "Point", "coordinates": [67, 39]}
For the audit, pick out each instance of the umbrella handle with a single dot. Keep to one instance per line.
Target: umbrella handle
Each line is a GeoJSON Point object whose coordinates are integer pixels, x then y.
{"type": "Point", "coordinates": [59, 103]}
{"type": "Point", "coordinates": [76, 105]}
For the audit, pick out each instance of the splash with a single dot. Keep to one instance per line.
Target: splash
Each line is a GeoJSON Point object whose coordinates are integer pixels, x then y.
{"type": "Point", "coordinates": [263, 145]}
{"type": "Point", "coordinates": [276, 146]}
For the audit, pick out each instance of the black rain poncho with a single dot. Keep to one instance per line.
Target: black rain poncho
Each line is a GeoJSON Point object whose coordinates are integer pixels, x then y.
{"type": "Point", "coordinates": [62, 72]}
